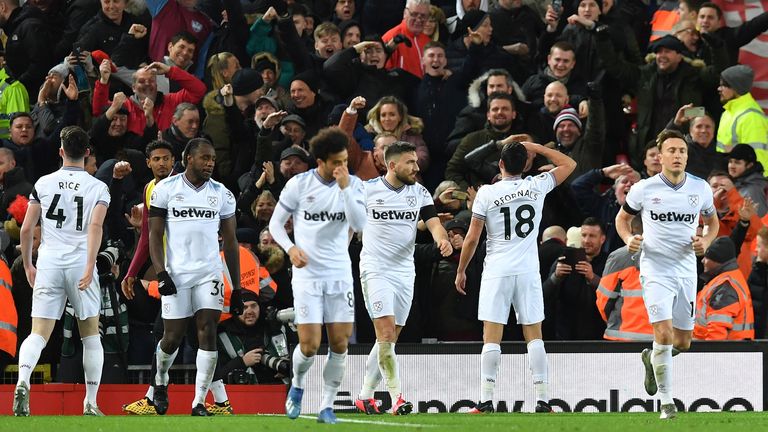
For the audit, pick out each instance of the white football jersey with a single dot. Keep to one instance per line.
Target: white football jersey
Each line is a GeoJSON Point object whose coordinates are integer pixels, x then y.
{"type": "Point", "coordinates": [390, 229]}
{"type": "Point", "coordinates": [67, 198]}
{"type": "Point", "coordinates": [192, 226]}
{"type": "Point", "coordinates": [321, 225]}
{"type": "Point", "coordinates": [670, 216]}
{"type": "Point", "coordinates": [511, 209]}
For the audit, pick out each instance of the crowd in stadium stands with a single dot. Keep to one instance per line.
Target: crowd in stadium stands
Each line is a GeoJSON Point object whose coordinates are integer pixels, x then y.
{"type": "Point", "coordinates": [595, 79]}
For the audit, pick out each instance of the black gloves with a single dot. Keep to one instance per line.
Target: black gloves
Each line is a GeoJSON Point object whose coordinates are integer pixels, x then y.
{"type": "Point", "coordinates": [398, 39]}
{"type": "Point", "coordinates": [235, 303]}
{"type": "Point", "coordinates": [166, 285]}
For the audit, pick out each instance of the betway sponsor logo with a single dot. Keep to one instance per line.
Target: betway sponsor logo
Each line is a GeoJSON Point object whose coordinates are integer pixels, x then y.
{"type": "Point", "coordinates": [394, 214]}
{"type": "Point", "coordinates": [325, 216]}
{"type": "Point", "coordinates": [673, 217]}
{"type": "Point", "coordinates": [194, 213]}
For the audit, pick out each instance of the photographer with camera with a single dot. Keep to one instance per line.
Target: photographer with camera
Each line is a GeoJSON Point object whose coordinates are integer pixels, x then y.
{"type": "Point", "coordinates": [252, 348]}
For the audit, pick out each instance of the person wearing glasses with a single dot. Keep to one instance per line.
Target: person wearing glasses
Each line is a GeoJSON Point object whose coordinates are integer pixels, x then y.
{"type": "Point", "coordinates": [407, 39]}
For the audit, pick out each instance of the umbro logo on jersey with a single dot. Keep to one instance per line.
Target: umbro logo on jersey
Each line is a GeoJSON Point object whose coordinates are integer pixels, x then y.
{"type": "Point", "coordinates": [394, 215]}
{"type": "Point", "coordinates": [673, 217]}
{"type": "Point", "coordinates": [179, 198]}
{"type": "Point", "coordinates": [655, 200]}
{"type": "Point", "coordinates": [379, 202]}
{"type": "Point", "coordinates": [310, 199]}
{"type": "Point", "coordinates": [325, 216]}
{"type": "Point", "coordinates": [194, 213]}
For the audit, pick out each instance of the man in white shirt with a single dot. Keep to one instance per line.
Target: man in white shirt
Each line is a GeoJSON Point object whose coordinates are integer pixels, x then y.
{"type": "Point", "coordinates": [187, 214]}
{"type": "Point", "coordinates": [327, 205]}
{"type": "Point", "coordinates": [72, 204]}
{"type": "Point", "coordinates": [395, 203]}
{"type": "Point", "coordinates": [511, 212]}
{"type": "Point", "coordinates": [670, 204]}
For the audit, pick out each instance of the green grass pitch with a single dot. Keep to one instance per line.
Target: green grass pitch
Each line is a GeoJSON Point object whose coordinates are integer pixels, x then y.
{"type": "Point", "coordinates": [597, 422]}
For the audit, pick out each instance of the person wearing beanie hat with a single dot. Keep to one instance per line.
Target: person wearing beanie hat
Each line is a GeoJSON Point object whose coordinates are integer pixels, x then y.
{"type": "Point", "coordinates": [747, 175]}
{"type": "Point", "coordinates": [567, 113]}
{"type": "Point", "coordinates": [724, 305]}
{"type": "Point", "coordinates": [743, 120]}
{"type": "Point", "coordinates": [308, 103]}
{"type": "Point", "coordinates": [246, 81]}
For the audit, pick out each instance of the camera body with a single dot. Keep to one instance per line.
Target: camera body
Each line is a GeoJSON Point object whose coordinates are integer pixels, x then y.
{"type": "Point", "coordinates": [113, 252]}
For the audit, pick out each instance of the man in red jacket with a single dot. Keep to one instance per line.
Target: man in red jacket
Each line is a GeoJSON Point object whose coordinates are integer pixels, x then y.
{"type": "Point", "coordinates": [407, 55]}
{"type": "Point", "coordinates": [147, 107]}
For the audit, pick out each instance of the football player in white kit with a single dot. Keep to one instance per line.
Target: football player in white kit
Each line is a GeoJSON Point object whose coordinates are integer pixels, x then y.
{"type": "Point", "coordinates": [327, 204]}
{"type": "Point", "coordinates": [187, 214]}
{"type": "Point", "coordinates": [72, 204]}
{"type": "Point", "coordinates": [510, 209]}
{"type": "Point", "coordinates": [670, 204]}
{"type": "Point", "coordinates": [395, 203]}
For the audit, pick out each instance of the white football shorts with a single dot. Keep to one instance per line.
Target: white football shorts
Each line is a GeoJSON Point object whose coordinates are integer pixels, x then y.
{"type": "Point", "coordinates": [388, 294]}
{"type": "Point", "coordinates": [669, 297]}
{"type": "Point", "coordinates": [208, 294]}
{"type": "Point", "coordinates": [523, 291]}
{"type": "Point", "coordinates": [54, 286]}
{"type": "Point", "coordinates": [320, 302]}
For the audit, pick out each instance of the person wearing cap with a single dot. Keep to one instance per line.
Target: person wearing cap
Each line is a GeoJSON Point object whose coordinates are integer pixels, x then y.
{"type": "Point", "coordinates": [407, 54]}
{"type": "Point", "coordinates": [293, 128]}
{"type": "Point", "coordinates": [710, 21]}
{"type": "Point", "coordinates": [724, 306]}
{"type": "Point", "coordinates": [747, 174]}
{"type": "Point", "coordinates": [662, 87]}
{"type": "Point", "coordinates": [743, 120]}
{"type": "Point", "coordinates": [48, 110]}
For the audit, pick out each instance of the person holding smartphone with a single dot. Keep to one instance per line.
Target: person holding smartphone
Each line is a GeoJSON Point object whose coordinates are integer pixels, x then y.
{"type": "Point", "coordinates": [570, 287]}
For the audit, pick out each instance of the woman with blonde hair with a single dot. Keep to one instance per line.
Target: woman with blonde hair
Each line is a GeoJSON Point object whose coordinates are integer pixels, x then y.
{"type": "Point", "coordinates": [221, 69]}
{"type": "Point", "coordinates": [391, 115]}
{"type": "Point", "coordinates": [435, 26]}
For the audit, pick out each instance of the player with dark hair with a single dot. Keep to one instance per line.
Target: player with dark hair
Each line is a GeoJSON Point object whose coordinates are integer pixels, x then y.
{"type": "Point", "coordinates": [510, 210]}
{"type": "Point", "coordinates": [326, 203]}
{"type": "Point", "coordinates": [186, 207]}
{"type": "Point", "coordinates": [395, 203]}
{"type": "Point", "coordinates": [669, 203]}
{"type": "Point", "coordinates": [70, 205]}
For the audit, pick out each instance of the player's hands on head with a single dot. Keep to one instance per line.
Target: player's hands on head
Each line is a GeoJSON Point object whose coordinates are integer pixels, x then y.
{"type": "Point", "coordinates": [635, 243]}
{"type": "Point", "coordinates": [461, 282]}
{"type": "Point", "coordinates": [341, 174]}
{"type": "Point", "coordinates": [236, 302]}
{"type": "Point", "coordinates": [127, 287]}
{"type": "Point", "coordinates": [445, 247]}
{"type": "Point", "coordinates": [699, 245]}
{"type": "Point", "coordinates": [165, 286]}
{"type": "Point", "coordinates": [298, 257]}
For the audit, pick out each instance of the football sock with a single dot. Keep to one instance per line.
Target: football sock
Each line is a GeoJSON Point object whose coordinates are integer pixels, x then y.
{"type": "Point", "coordinates": [372, 374]}
{"type": "Point", "coordinates": [489, 367]}
{"type": "Point", "coordinates": [537, 357]}
{"type": "Point", "coordinates": [206, 366]}
{"type": "Point", "coordinates": [301, 365]}
{"type": "Point", "coordinates": [389, 369]}
{"type": "Point", "coordinates": [675, 351]}
{"type": "Point", "coordinates": [93, 363]}
{"type": "Point", "coordinates": [219, 391]}
{"type": "Point", "coordinates": [150, 394]}
{"type": "Point", "coordinates": [164, 362]}
{"type": "Point", "coordinates": [662, 369]}
{"type": "Point", "coordinates": [333, 374]}
{"type": "Point", "coordinates": [29, 354]}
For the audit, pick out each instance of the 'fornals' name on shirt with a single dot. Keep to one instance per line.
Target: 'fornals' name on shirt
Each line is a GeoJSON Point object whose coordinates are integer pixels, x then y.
{"type": "Point", "coordinates": [523, 193]}
{"type": "Point", "coordinates": [194, 213]}
{"type": "Point", "coordinates": [325, 216]}
{"type": "Point", "coordinates": [69, 185]}
{"type": "Point", "coordinates": [673, 217]}
{"type": "Point", "coordinates": [394, 214]}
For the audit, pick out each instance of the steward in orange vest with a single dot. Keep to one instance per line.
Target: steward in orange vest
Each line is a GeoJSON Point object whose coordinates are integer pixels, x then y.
{"type": "Point", "coordinates": [620, 299]}
{"type": "Point", "coordinates": [724, 305]}
{"type": "Point", "coordinates": [8, 317]}
{"type": "Point", "coordinates": [664, 19]}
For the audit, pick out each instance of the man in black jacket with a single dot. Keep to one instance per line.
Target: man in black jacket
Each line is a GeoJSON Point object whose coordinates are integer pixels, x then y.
{"type": "Point", "coordinates": [27, 50]}
{"type": "Point", "coordinates": [710, 21]}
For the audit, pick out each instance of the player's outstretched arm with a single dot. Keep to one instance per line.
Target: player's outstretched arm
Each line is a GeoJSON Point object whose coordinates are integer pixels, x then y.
{"type": "Point", "coordinates": [27, 235]}
{"type": "Point", "coordinates": [467, 252]}
{"type": "Point", "coordinates": [711, 228]}
{"type": "Point", "coordinates": [95, 232]}
{"type": "Point", "coordinates": [439, 235]}
{"type": "Point", "coordinates": [563, 163]}
{"type": "Point", "coordinates": [156, 232]}
{"type": "Point", "coordinates": [232, 258]}
{"type": "Point", "coordinates": [624, 229]}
